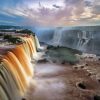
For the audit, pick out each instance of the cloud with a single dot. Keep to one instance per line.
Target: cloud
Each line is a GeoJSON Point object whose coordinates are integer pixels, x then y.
{"type": "Point", "coordinates": [53, 12]}
{"type": "Point", "coordinates": [3, 21]}
{"type": "Point", "coordinates": [73, 2]}
{"type": "Point", "coordinates": [7, 14]}
{"type": "Point", "coordinates": [96, 9]}
{"type": "Point", "coordinates": [56, 6]}
{"type": "Point", "coordinates": [88, 3]}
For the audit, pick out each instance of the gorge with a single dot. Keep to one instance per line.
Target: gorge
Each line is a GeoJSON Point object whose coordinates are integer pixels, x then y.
{"type": "Point", "coordinates": [83, 38]}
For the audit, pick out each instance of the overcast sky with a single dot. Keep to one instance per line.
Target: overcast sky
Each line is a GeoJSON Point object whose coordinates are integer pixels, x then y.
{"type": "Point", "coordinates": [50, 12]}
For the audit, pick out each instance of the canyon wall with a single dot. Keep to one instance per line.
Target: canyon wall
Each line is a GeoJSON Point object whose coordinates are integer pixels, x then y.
{"type": "Point", "coordinates": [86, 38]}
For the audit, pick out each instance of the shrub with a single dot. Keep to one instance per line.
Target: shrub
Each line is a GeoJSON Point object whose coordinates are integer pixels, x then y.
{"type": "Point", "coordinates": [7, 36]}
{"type": "Point", "coordinates": [26, 31]}
{"type": "Point", "coordinates": [12, 39]}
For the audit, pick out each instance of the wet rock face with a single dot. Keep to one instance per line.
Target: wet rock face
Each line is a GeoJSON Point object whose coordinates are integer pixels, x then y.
{"type": "Point", "coordinates": [86, 39]}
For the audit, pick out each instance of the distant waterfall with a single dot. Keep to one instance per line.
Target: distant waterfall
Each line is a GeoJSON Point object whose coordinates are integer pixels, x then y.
{"type": "Point", "coordinates": [84, 38]}
{"type": "Point", "coordinates": [84, 35]}
{"type": "Point", "coordinates": [80, 40]}
{"type": "Point", "coordinates": [37, 43]}
{"type": "Point", "coordinates": [57, 37]}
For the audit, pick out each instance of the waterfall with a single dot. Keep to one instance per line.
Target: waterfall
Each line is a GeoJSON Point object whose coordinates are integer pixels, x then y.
{"type": "Point", "coordinates": [84, 35]}
{"type": "Point", "coordinates": [23, 59]}
{"type": "Point", "coordinates": [80, 39]}
{"type": "Point", "coordinates": [83, 39]}
{"type": "Point", "coordinates": [16, 69]}
{"type": "Point", "coordinates": [57, 37]}
{"type": "Point", "coordinates": [37, 43]}
{"type": "Point", "coordinates": [3, 94]}
{"type": "Point", "coordinates": [31, 46]}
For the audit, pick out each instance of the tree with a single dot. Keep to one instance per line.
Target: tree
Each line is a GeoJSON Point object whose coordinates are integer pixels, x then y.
{"type": "Point", "coordinates": [15, 40]}
{"type": "Point", "coordinates": [6, 37]}
{"type": "Point", "coordinates": [12, 39]}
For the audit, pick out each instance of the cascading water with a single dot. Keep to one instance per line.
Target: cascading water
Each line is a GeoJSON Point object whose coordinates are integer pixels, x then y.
{"type": "Point", "coordinates": [57, 37]}
{"type": "Point", "coordinates": [31, 46]}
{"type": "Point", "coordinates": [83, 40]}
{"type": "Point", "coordinates": [8, 84]}
{"type": "Point", "coordinates": [16, 69]}
{"type": "Point", "coordinates": [37, 43]}
{"type": "Point", "coordinates": [23, 59]}
{"type": "Point", "coordinates": [86, 39]}
{"type": "Point", "coordinates": [72, 38]}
